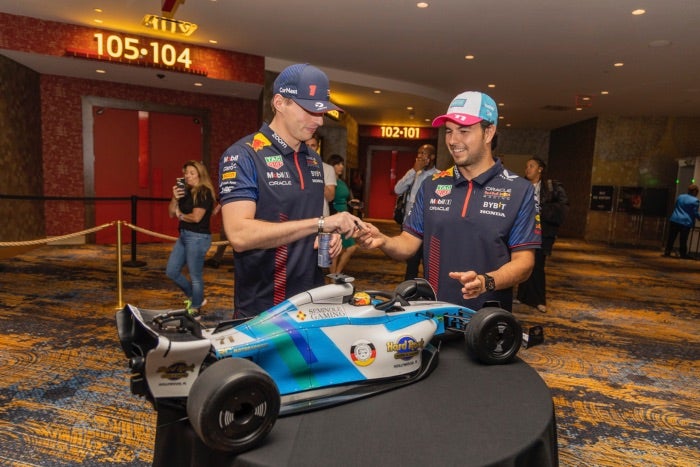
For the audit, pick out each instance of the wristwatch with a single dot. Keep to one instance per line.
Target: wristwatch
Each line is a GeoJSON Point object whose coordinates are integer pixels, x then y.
{"type": "Point", "coordinates": [489, 283]}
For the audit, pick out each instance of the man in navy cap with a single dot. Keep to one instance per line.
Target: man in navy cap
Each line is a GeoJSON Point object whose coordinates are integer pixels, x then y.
{"type": "Point", "coordinates": [271, 192]}
{"type": "Point", "coordinates": [476, 221]}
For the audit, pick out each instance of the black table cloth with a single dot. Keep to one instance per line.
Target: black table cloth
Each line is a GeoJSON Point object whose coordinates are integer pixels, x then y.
{"type": "Point", "coordinates": [464, 413]}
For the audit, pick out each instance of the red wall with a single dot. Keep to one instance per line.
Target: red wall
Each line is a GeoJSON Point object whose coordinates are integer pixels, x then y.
{"type": "Point", "coordinates": [62, 135]}
{"type": "Point", "coordinates": [61, 129]}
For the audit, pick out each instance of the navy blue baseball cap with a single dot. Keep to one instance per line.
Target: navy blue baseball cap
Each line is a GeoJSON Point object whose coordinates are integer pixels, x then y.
{"type": "Point", "coordinates": [307, 86]}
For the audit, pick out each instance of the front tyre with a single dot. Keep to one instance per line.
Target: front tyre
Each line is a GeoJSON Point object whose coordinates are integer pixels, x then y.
{"type": "Point", "coordinates": [233, 405]}
{"type": "Point", "coordinates": [494, 336]}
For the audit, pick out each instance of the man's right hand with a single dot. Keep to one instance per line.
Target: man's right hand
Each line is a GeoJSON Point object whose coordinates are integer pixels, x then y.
{"type": "Point", "coordinates": [421, 162]}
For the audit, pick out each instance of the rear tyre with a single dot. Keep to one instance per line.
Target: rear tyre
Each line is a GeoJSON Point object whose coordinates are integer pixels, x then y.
{"type": "Point", "coordinates": [233, 405]}
{"type": "Point", "coordinates": [494, 336]}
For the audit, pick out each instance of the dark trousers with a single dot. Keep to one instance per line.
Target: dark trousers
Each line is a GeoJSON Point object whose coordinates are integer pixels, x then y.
{"type": "Point", "coordinates": [533, 291]}
{"type": "Point", "coordinates": [412, 265]}
{"type": "Point", "coordinates": [673, 231]}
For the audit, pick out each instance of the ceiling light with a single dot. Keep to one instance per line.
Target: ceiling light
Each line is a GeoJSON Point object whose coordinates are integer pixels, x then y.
{"type": "Point", "coordinates": [579, 108]}
{"type": "Point", "coordinates": [501, 104]}
{"type": "Point", "coordinates": [98, 21]}
{"type": "Point", "coordinates": [377, 91]}
{"type": "Point", "coordinates": [199, 85]}
{"type": "Point", "coordinates": [492, 85]}
{"type": "Point", "coordinates": [212, 41]}
{"type": "Point", "coordinates": [100, 71]}
{"type": "Point", "coordinates": [638, 12]}
{"type": "Point", "coordinates": [97, 10]}
{"type": "Point", "coordinates": [422, 5]}
{"type": "Point", "coordinates": [619, 64]}
{"type": "Point", "coordinates": [605, 93]}
{"type": "Point", "coordinates": [469, 57]}
{"type": "Point", "coordinates": [410, 107]}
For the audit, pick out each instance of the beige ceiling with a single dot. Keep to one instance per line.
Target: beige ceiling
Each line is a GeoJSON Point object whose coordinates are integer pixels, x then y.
{"type": "Point", "coordinates": [540, 54]}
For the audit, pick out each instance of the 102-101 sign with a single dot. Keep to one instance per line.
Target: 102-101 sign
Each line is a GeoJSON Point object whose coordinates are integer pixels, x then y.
{"type": "Point", "coordinates": [130, 48]}
{"type": "Point", "coordinates": [408, 132]}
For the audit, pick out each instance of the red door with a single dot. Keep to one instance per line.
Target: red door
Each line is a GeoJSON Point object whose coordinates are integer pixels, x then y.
{"type": "Point", "coordinates": [140, 154]}
{"type": "Point", "coordinates": [386, 168]}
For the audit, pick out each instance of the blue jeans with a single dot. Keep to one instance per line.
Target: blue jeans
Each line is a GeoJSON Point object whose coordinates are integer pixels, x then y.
{"type": "Point", "coordinates": [190, 248]}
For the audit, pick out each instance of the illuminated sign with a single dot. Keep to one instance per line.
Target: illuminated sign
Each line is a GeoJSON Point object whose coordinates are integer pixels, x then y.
{"type": "Point", "coordinates": [408, 132]}
{"type": "Point", "coordinates": [131, 50]}
{"type": "Point", "coordinates": [173, 26]}
{"type": "Point", "coordinates": [399, 132]}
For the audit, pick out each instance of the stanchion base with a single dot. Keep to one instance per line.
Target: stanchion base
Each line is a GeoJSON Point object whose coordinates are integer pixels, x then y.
{"type": "Point", "coordinates": [134, 264]}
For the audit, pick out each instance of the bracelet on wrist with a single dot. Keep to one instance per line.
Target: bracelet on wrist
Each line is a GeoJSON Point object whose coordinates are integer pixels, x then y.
{"type": "Point", "coordinates": [321, 222]}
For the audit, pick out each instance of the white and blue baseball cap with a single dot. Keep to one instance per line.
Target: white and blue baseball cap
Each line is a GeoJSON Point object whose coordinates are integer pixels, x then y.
{"type": "Point", "coordinates": [307, 86]}
{"type": "Point", "coordinates": [469, 108]}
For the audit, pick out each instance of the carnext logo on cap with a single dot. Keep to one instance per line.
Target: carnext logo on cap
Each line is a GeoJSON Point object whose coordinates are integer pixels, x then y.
{"type": "Point", "coordinates": [288, 90]}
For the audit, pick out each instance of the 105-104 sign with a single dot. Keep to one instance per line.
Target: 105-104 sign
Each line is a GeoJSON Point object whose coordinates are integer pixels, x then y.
{"type": "Point", "coordinates": [130, 48]}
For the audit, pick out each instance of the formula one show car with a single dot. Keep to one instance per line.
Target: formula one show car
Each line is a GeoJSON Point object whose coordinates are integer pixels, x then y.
{"type": "Point", "coordinates": [322, 347]}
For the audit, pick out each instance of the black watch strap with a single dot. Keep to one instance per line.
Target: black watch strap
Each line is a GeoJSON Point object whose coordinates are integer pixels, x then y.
{"type": "Point", "coordinates": [489, 283]}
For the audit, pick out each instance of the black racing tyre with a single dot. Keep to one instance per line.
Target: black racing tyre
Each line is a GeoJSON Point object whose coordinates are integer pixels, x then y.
{"type": "Point", "coordinates": [233, 405]}
{"type": "Point", "coordinates": [494, 336]}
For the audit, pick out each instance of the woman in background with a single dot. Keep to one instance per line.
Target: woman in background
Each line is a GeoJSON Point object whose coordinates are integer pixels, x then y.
{"type": "Point", "coordinates": [340, 203]}
{"type": "Point", "coordinates": [193, 205]}
{"type": "Point", "coordinates": [553, 205]}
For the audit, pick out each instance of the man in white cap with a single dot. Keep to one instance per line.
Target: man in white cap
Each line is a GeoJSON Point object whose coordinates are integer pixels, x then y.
{"type": "Point", "coordinates": [271, 193]}
{"type": "Point", "coordinates": [476, 221]}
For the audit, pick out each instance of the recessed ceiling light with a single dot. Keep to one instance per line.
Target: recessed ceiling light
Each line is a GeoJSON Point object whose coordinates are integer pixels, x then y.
{"type": "Point", "coordinates": [469, 57]}
{"type": "Point", "coordinates": [199, 85]}
{"type": "Point", "coordinates": [579, 108]}
{"type": "Point", "coordinates": [410, 107]}
{"type": "Point", "coordinates": [422, 5]}
{"type": "Point", "coordinates": [377, 91]}
{"type": "Point", "coordinates": [501, 117]}
{"type": "Point", "coordinates": [492, 85]}
{"type": "Point", "coordinates": [605, 93]}
{"type": "Point", "coordinates": [501, 104]}
{"type": "Point", "coordinates": [212, 41]}
{"type": "Point", "coordinates": [638, 12]}
{"type": "Point", "coordinates": [98, 21]}
{"type": "Point", "coordinates": [102, 72]}
{"type": "Point", "coordinates": [97, 10]}
{"type": "Point", "coordinates": [507, 124]}
{"type": "Point", "coordinates": [619, 64]}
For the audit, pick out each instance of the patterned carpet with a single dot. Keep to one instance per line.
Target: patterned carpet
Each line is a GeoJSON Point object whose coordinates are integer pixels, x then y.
{"type": "Point", "coordinates": [620, 356]}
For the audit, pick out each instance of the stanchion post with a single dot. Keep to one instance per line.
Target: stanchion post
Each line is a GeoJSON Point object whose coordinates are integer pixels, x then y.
{"type": "Point", "coordinates": [120, 303]}
{"type": "Point", "coordinates": [134, 215]}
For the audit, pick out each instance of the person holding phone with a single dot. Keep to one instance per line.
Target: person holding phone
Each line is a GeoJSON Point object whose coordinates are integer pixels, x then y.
{"type": "Point", "coordinates": [193, 203]}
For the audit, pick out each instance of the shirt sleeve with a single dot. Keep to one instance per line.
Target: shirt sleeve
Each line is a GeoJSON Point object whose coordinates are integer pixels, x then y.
{"type": "Point", "coordinates": [403, 184]}
{"type": "Point", "coordinates": [238, 176]}
{"type": "Point", "coordinates": [329, 177]}
{"type": "Point", "coordinates": [414, 223]}
{"type": "Point", "coordinates": [524, 235]}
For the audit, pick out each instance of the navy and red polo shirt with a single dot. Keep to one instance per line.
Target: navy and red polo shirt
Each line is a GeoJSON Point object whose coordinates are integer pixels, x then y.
{"type": "Point", "coordinates": [473, 225]}
{"type": "Point", "coordinates": [286, 185]}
